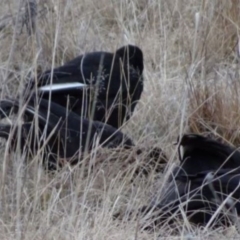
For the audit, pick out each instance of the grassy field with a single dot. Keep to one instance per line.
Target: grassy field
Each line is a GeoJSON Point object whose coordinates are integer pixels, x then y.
{"type": "Point", "coordinates": [191, 55]}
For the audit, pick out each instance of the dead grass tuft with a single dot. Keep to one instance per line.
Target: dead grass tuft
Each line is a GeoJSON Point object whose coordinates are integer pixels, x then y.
{"type": "Point", "coordinates": [214, 107]}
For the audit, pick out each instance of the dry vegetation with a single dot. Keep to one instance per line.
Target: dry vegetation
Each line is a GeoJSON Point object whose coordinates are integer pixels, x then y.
{"type": "Point", "coordinates": [191, 51]}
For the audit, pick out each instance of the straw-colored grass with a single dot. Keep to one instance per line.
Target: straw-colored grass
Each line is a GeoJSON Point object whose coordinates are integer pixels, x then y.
{"type": "Point", "coordinates": [191, 56]}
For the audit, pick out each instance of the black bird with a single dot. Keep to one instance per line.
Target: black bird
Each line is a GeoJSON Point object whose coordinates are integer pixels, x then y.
{"type": "Point", "coordinates": [208, 175]}
{"type": "Point", "coordinates": [100, 86]}
{"type": "Point", "coordinates": [63, 135]}
{"type": "Point", "coordinates": [200, 196]}
{"type": "Point", "coordinates": [201, 153]}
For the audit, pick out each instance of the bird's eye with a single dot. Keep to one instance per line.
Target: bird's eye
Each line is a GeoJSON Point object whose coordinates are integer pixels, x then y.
{"type": "Point", "coordinates": [192, 136]}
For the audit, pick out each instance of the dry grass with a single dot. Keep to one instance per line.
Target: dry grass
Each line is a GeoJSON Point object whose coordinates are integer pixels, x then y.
{"type": "Point", "coordinates": [191, 51]}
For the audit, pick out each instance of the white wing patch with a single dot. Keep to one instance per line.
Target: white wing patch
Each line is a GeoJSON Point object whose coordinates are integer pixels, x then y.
{"type": "Point", "coordinates": [62, 86]}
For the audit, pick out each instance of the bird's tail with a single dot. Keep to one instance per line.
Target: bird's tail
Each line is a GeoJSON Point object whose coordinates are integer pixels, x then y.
{"type": "Point", "coordinates": [5, 130]}
{"type": "Point", "coordinates": [49, 116]}
{"type": "Point", "coordinates": [6, 107]}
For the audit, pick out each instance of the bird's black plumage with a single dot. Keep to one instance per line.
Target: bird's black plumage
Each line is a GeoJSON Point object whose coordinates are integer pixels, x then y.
{"type": "Point", "coordinates": [201, 153]}
{"type": "Point", "coordinates": [200, 198]}
{"type": "Point", "coordinates": [63, 134]}
{"type": "Point", "coordinates": [100, 86]}
{"type": "Point", "coordinates": [209, 172]}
